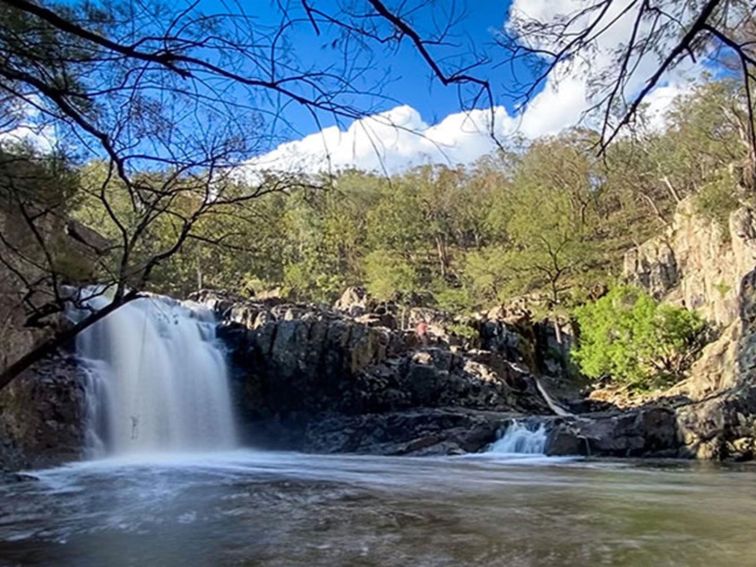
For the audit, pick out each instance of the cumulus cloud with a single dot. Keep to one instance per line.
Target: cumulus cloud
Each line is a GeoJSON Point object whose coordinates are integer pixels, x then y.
{"type": "Point", "coordinates": [391, 141]}
{"type": "Point", "coordinates": [400, 138]}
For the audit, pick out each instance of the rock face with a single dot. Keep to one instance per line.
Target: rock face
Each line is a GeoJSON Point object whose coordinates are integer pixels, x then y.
{"type": "Point", "coordinates": [645, 432]}
{"type": "Point", "coordinates": [697, 262]}
{"type": "Point", "coordinates": [412, 432]}
{"type": "Point", "coordinates": [43, 416]}
{"type": "Point", "coordinates": [41, 411]}
{"type": "Point", "coordinates": [302, 370]}
{"type": "Point", "coordinates": [721, 423]}
{"type": "Point", "coordinates": [80, 242]}
{"type": "Point", "coordinates": [712, 270]}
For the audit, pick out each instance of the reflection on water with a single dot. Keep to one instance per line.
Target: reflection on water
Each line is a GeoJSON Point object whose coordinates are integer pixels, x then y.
{"type": "Point", "coordinates": [265, 509]}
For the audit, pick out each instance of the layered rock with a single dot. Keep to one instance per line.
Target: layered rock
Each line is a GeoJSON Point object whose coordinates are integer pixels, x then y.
{"type": "Point", "coordinates": [697, 262]}
{"type": "Point", "coordinates": [301, 370]}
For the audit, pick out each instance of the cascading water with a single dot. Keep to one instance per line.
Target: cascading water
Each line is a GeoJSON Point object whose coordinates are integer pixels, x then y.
{"type": "Point", "coordinates": [158, 380]}
{"type": "Point", "coordinates": [521, 439]}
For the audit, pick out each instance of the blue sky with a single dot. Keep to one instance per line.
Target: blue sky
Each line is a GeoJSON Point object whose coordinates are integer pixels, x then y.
{"type": "Point", "coordinates": [422, 121]}
{"type": "Point", "coordinates": [433, 126]}
{"type": "Point", "coordinates": [411, 81]}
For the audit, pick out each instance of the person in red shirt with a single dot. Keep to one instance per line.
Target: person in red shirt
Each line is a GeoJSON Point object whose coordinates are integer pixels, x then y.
{"type": "Point", "coordinates": [421, 330]}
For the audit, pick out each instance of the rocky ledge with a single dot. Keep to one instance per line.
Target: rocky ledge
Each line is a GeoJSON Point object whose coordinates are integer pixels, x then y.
{"type": "Point", "coordinates": [346, 379]}
{"type": "Point", "coordinates": [318, 379]}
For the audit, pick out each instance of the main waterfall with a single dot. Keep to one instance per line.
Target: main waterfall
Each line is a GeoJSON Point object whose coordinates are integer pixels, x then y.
{"type": "Point", "coordinates": [158, 380]}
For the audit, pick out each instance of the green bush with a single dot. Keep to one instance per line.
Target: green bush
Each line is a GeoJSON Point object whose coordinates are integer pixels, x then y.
{"type": "Point", "coordinates": [463, 331]}
{"type": "Point", "coordinates": [389, 276]}
{"type": "Point", "coordinates": [635, 340]}
{"type": "Point", "coordinates": [717, 199]}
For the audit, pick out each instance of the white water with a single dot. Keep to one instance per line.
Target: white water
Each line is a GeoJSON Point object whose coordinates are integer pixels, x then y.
{"type": "Point", "coordinates": [157, 379]}
{"type": "Point", "coordinates": [520, 439]}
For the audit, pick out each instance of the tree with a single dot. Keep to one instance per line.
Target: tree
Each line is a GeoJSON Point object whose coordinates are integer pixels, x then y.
{"type": "Point", "coordinates": [489, 273]}
{"type": "Point", "coordinates": [657, 37]}
{"type": "Point", "coordinates": [390, 278]}
{"type": "Point", "coordinates": [553, 217]}
{"type": "Point", "coordinates": [635, 340]}
{"type": "Point", "coordinates": [170, 101]}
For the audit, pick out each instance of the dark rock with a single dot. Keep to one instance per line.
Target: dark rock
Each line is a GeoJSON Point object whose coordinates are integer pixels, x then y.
{"type": "Point", "coordinates": [645, 432]}
{"type": "Point", "coordinates": [440, 431]}
{"type": "Point", "coordinates": [42, 415]}
{"type": "Point", "coordinates": [295, 364]}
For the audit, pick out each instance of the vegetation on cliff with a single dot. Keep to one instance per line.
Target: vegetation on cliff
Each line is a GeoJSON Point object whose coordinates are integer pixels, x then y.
{"type": "Point", "coordinates": [639, 342]}
{"type": "Point", "coordinates": [548, 219]}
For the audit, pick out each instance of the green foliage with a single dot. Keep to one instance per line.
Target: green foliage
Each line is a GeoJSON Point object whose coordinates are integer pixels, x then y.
{"type": "Point", "coordinates": [548, 220]}
{"type": "Point", "coordinates": [454, 299]}
{"type": "Point", "coordinates": [463, 331]}
{"type": "Point", "coordinates": [716, 199]}
{"type": "Point", "coordinates": [488, 271]}
{"type": "Point", "coordinates": [635, 340]}
{"type": "Point", "coordinates": [723, 289]}
{"type": "Point", "coordinates": [389, 276]}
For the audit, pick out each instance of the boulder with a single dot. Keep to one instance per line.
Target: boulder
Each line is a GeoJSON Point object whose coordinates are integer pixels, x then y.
{"type": "Point", "coordinates": [646, 432]}
{"type": "Point", "coordinates": [355, 302]}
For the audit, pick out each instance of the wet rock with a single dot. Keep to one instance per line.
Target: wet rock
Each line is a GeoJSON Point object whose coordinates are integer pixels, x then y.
{"type": "Point", "coordinates": [42, 415]}
{"type": "Point", "coordinates": [442, 431]}
{"type": "Point", "coordinates": [641, 433]}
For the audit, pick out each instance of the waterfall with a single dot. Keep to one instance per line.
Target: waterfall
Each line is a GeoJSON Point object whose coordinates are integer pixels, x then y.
{"type": "Point", "coordinates": [519, 438]}
{"type": "Point", "coordinates": [158, 380]}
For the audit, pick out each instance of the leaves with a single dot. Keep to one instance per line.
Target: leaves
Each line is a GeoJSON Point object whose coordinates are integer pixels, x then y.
{"type": "Point", "coordinates": [636, 340]}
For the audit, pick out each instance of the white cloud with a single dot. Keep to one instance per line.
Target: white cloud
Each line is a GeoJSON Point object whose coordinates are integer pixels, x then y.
{"type": "Point", "coordinates": [400, 138]}
{"type": "Point", "coordinates": [23, 126]}
{"type": "Point", "coordinates": [391, 141]}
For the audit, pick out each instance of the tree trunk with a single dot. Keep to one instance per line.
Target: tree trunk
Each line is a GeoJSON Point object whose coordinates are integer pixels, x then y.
{"type": "Point", "coordinates": [442, 257]}
{"type": "Point", "coordinates": [671, 189]}
{"type": "Point", "coordinates": [653, 206]}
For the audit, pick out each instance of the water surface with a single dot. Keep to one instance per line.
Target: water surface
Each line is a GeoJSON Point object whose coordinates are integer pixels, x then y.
{"type": "Point", "coordinates": [266, 509]}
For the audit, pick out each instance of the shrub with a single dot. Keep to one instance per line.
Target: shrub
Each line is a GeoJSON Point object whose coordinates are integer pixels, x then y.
{"type": "Point", "coordinates": [463, 331]}
{"type": "Point", "coordinates": [457, 300]}
{"type": "Point", "coordinates": [389, 276]}
{"type": "Point", "coordinates": [635, 340]}
{"type": "Point", "coordinates": [717, 199]}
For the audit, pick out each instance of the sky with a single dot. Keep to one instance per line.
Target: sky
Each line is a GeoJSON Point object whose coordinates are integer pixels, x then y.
{"type": "Point", "coordinates": [416, 120]}
{"type": "Point", "coordinates": [424, 121]}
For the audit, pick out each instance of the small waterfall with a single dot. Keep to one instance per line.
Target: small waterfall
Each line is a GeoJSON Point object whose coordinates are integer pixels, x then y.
{"type": "Point", "coordinates": [158, 380]}
{"type": "Point", "coordinates": [519, 438]}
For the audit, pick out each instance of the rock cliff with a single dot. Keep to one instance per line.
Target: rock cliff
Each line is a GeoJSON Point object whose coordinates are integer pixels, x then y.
{"type": "Point", "coordinates": [43, 415]}
{"type": "Point", "coordinates": [42, 410]}
{"type": "Point", "coordinates": [711, 269]}
{"type": "Point", "coordinates": [697, 262]}
{"type": "Point", "coordinates": [319, 379]}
